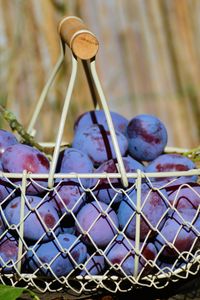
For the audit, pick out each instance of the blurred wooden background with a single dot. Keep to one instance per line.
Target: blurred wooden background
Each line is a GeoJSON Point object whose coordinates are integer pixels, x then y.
{"type": "Point", "coordinates": [148, 62]}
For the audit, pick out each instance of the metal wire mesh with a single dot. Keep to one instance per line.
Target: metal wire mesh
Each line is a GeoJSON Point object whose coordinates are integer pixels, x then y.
{"type": "Point", "coordinates": [36, 251]}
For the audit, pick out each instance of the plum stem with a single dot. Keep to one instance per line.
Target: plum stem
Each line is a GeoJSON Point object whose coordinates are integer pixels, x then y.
{"type": "Point", "coordinates": [15, 125]}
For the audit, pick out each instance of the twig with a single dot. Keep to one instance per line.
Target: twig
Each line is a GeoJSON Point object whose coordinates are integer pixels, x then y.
{"type": "Point", "coordinates": [193, 154]}
{"type": "Point", "coordinates": [16, 126]}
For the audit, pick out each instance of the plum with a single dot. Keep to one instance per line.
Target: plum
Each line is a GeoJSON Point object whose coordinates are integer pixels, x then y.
{"type": "Point", "coordinates": [67, 195]}
{"type": "Point", "coordinates": [94, 265]}
{"type": "Point", "coordinates": [8, 253]}
{"type": "Point", "coordinates": [96, 142]}
{"type": "Point", "coordinates": [76, 161]}
{"type": "Point", "coordinates": [6, 139]}
{"type": "Point", "coordinates": [104, 191]}
{"type": "Point", "coordinates": [179, 233]}
{"type": "Point", "coordinates": [153, 208]}
{"type": "Point", "coordinates": [171, 163]}
{"type": "Point", "coordinates": [147, 137]}
{"type": "Point", "coordinates": [185, 195]}
{"type": "Point", "coordinates": [20, 157]}
{"type": "Point", "coordinates": [58, 257]}
{"type": "Point", "coordinates": [2, 224]}
{"type": "Point", "coordinates": [37, 212]}
{"type": "Point", "coordinates": [169, 267]}
{"type": "Point", "coordinates": [98, 117]}
{"type": "Point", "coordinates": [98, 223]}
{"type": "Point", "coordinates": [6, 189]}
{"type": "Point", "coordinates": [121, 255]}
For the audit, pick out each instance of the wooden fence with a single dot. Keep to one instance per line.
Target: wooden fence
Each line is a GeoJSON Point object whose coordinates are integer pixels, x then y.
{"type": "Point", "coordinates": [148, 61]}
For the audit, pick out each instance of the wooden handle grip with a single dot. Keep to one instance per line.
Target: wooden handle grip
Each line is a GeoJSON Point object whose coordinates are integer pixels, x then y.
{"type": "Point", "coordinates": [76, 35]}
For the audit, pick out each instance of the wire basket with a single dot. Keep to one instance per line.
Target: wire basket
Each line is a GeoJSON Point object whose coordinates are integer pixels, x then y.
{"type": "Point", "coordinates": [49, 262]}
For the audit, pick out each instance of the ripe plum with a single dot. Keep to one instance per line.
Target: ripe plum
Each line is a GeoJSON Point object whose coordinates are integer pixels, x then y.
{"type": "Point", "coordinates": [2, 224]}
{"type": "Point", "coordinates": [37, 212]}
{"type": "Point", "coordinates": [97, 222]}
{"type": "Point", "coordinates": [171, 163]}
{"type": "Point", "coordinates": [104, 191]}
{"type": "Point", "coordinates": [76, 161]}
{"type": "Point", "coordinates": [147, 137]}
{"type": "Point", "coordinates": [8, 253]}
{"type": "Point", "coordinates": [94, 265]}
{"type": "Point", "coordinates": [20, 157]}
{"type": "Point", "coordinates": [153, 209]}
{"type": "Point", "coordinates": [6, 189]}
{"type": "Point", "coordinates": [121, 255]}
{"type": "Point", "coordinates": [6, 139]}
{"type": "Point", "coordinates": [98, 117]}
{"type": "Point", "coordinates": [96, 142]}
{"type": "Point", "coordinates": [184, 196]}
{"type": "Point", "coordinates": [67, 195]}
{"type": "Point", "coordinates": [177, 235]}
{"type": "Point", "coordinates": [58, 257]}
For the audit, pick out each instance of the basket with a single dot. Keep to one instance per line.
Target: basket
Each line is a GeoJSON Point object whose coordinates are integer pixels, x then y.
{"type": "Point", "coordinates": [138, 264]}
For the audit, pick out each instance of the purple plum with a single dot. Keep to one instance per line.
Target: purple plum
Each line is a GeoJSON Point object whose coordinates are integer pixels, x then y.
{"type": "Point", "coordinates": [169, 267]}
{"type": "Point", "coordinates": [147, 137]}
{"type": "Point", "coordinates": [94, 265]}
{"type": "Point", "coordinates": [96, 142]}
{"type": "Point", "coordinates": [121, 255]}
{"type": "Point", "coordinates": [67, 195]}
{"type": "Point", "coordinates": [58, 257]}
{"type": "Point", "coordinates": [179, 233]}
{"type": "Point", "coordinates": [6, 139]}
{"type": "Point", "coordinates": [97, 222]}
{"type": "Point", "coordinates": [2, 224]}
{"type": "Point", "coordinates": [104, 191]}
{"type": "Point", "coordinates": [153, 208]}
{"type": "Point", "coordinates": [6, 190]}
{"type": "Point", "coordinates": [8, 253]}
{"type": "Point", "coordinates": [98, 117]}
{"type": "Point", "coordinates": [39, 217]}
{"type": "Point", "coordinates": [186, 195]}
{"type": "Point", "coordinates": [171, 163]}
{"type": "Point", "coordinates": [76, 161]}
{"type": "Point", "coordinates": [20, 157]}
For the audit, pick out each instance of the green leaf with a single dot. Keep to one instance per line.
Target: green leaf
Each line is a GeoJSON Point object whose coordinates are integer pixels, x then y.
{"type": "Point", "coordinates": [12, 293]}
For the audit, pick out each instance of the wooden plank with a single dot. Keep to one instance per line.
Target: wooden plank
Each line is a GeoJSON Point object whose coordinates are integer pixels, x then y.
{"type": "Point", "coordinates": [148, 62]}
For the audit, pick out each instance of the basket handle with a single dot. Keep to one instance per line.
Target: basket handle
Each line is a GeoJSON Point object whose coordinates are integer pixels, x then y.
{"type": "Point", "coordinates": [84, 45]}
{"type": "Point", "coordinates": [76, 35]}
